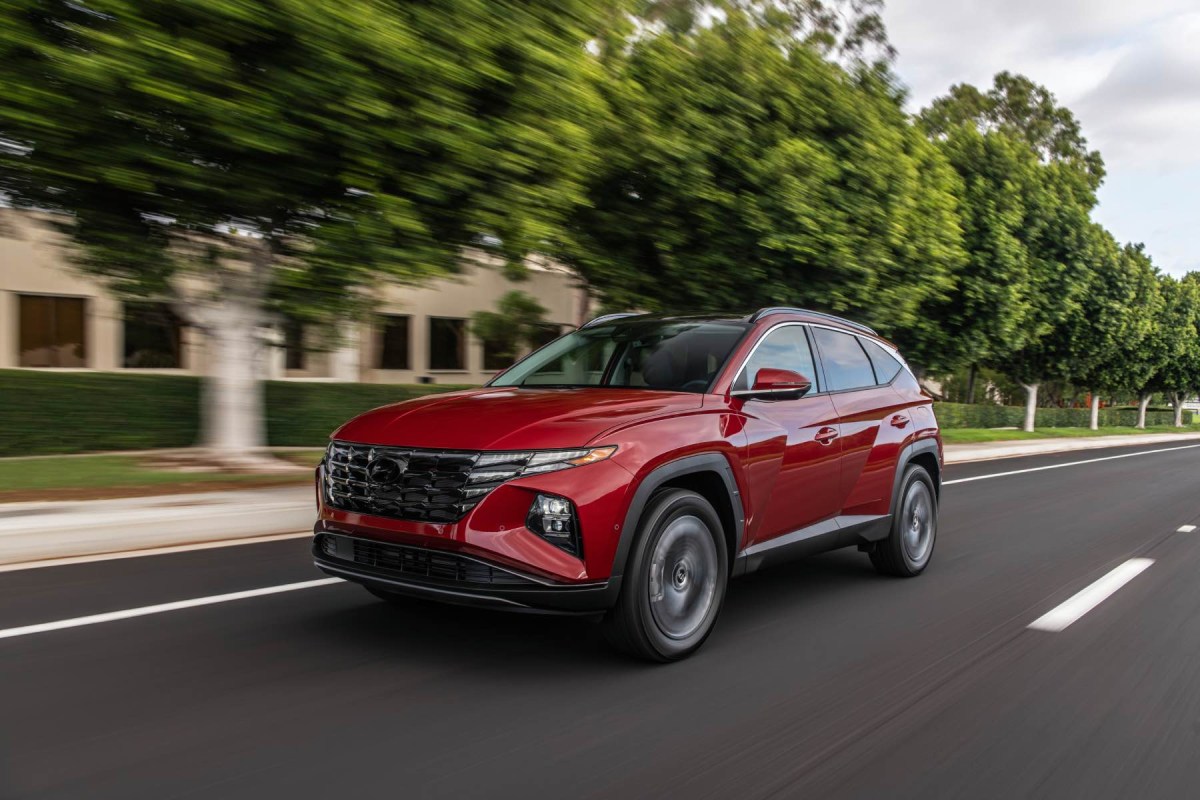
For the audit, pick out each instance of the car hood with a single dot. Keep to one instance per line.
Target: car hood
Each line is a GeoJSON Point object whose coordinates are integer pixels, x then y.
{"type": "Point", "coordinates": [508, 418]}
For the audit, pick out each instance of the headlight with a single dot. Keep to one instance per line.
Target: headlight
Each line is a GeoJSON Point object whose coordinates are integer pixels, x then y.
{"type": "Point", "coordinates": [553, 518]}
{"type": "Point", "coordinates": [538, 462]}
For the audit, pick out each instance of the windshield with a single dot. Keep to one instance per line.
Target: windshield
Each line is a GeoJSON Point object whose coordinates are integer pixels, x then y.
{"type": "Point", "coordinates": [668, 355]}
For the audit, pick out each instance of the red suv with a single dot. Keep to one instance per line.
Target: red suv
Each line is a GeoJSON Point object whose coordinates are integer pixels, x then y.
{"type": "Point", "coordinates": [634, 466]}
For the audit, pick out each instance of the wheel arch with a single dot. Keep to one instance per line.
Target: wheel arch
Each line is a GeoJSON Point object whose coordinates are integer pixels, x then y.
{"type": "Point", "coordinates": [925, 453]}
{"type": "Point", "coordinates": [709, 475]}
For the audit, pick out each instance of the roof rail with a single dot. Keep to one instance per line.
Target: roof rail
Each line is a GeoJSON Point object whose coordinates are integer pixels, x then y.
{"type": "Point", "coordinates": [608, 318]}
{"type": "Point", "coordinates": [762, 312]}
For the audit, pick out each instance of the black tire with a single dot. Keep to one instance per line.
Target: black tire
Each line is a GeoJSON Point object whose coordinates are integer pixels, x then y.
{"type": "Point", "coordinates": [666, 609]}
{"type": "Point", "coordinates": [908, 548]}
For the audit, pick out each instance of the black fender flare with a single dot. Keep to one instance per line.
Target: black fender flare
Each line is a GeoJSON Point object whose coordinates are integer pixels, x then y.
{"type": "Point", "coordinates": [906, 455]}
{"type": "Point", "coordinates": [702, 462]}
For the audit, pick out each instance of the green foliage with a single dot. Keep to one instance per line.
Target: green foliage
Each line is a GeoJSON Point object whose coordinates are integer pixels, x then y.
{"type": "Point", "coordinates": [843, 29]}
{"type": "Point", "coordinates": [1111, 335]}
{"type": "Point", "coordinates": [990, 415]}
{"type": "Point", "coordinates": [71, 412]}
{"type": "Point", "coordinates": [517, 322]}
{"type": "Point", "coordinates": [735, 174]}
{"type": "Point", "coordinates": [359, 140]}
{"type": "Point", "coordinates": [1029, 188]}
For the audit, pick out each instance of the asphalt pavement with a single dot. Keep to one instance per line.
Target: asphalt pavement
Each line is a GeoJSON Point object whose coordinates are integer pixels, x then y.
{"type": "Point", "coordinates": [822, 679]}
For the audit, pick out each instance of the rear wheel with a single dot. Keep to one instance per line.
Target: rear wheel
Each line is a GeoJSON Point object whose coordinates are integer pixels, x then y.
{"type": "Point", "coordinates": [907, 549]}
{"type": "Point", "coordinates": [674, 582]}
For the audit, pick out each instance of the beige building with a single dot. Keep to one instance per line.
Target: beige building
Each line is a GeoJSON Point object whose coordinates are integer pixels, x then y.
{"type": "Point", "coordinates": [53, 317]}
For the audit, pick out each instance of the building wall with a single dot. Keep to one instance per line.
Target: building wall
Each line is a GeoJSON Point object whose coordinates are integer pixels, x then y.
{"type": "Point", "coordinates": [32, 261]}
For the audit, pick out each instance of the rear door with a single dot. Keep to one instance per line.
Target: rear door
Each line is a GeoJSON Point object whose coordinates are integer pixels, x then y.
{"type": "Point", "coordinates": [792, 444]}
{"type": "Point", "coordinates": [871, 415]}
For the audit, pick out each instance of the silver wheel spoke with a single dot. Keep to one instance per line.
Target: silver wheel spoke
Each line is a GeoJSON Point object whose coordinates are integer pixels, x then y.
{"type": "Point", "coordinates": [683, 572]}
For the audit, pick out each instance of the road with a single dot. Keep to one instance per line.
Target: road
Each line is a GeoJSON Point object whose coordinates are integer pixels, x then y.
{"type": "Point", "coordinates": [821, 680]}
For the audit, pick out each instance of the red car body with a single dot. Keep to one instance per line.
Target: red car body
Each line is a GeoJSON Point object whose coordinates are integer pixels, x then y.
{"type": "Point", "coordinates": [787, 477]}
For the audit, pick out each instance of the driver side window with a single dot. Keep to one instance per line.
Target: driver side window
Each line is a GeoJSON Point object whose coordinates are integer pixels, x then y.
{"type": "Point", "coordinates": [783, 348]}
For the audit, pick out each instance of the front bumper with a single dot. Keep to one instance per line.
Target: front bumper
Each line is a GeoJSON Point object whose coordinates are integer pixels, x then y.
{"type": "Point", "coordinates": [453, 577]}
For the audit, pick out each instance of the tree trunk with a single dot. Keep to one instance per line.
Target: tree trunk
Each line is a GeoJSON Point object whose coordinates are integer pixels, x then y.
{"type": "Point", "coordinates": [1031, 393]}
{"type": "Point", "coordinates": [232, 419]}
{"type": "Point", "coordinates": [583, 307]}
{"type": "Point", "coordinates": [1177, 402]}
{"type": "Point", "coordinates": [1094, 421]}
{"type": "Point", "coordinates": [1143, 401]}
{"type": "Point", "coordinates": [971, 377]}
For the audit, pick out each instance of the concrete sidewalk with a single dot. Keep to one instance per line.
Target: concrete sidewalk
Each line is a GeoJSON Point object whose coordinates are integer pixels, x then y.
{"type": "Point", "coordinates": [985, 451]}
{"type": "Point", "coordinates": [51, 530]}
{"type": "Point", "coordinates": [46, 530]}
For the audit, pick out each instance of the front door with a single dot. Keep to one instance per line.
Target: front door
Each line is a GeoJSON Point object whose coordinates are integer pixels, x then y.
{"type": "Point", "coordinates": [793, 444]}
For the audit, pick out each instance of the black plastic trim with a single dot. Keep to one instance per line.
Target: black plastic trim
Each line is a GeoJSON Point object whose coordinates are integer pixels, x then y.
{"type": "Point", "coordinates": [702, 462]}
{"type": "Point", "coordinates": [906, 455]}
{"type": "Point", "coordinates": [585, 598]}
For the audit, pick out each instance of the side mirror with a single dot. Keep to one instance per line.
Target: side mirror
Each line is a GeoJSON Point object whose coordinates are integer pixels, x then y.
{"type": "Point", "coordinates": [779, 384]}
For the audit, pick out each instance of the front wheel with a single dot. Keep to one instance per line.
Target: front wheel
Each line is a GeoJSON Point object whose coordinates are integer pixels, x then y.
{"type": "Point", "coordinates": [907, 549]}
{"type": "Point", "coordinates": [674, 582]}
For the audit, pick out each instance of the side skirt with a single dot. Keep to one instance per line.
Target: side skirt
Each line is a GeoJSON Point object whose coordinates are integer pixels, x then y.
{"type": "Point", "coordinates": [829, 534]}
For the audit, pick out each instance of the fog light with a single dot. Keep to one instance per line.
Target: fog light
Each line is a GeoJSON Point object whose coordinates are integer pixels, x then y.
{"type": "Point", "coordinates": [553, 518]}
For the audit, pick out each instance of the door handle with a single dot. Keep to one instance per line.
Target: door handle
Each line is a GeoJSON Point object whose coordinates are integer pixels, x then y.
{"type": "Point", "coordinates": [898, 421]}
{"type": "Point", "coordinates": [826, 435]}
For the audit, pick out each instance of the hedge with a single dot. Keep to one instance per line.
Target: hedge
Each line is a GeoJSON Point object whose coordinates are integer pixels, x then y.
{"type": "Point", "coordinates": [988, 415]}
{"type": "Point", "coordinates": [43, 413]}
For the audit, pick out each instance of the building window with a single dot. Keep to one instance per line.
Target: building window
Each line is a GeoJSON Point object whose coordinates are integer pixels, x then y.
{"type": "Point", "coordinates": [497, 355]}
{"type": "Point", "coordinates": [393, 342]}
{"type": "Point", "coordinates": [293, 344]}
{"type": "Point", "coordinates": [447, 343]}
{"type": "Point", "coordinates": [153, 337]}
{"type": "Point", "coordinates": [53, 331]}
{"type": "Point", "coordinates": [545, 333]}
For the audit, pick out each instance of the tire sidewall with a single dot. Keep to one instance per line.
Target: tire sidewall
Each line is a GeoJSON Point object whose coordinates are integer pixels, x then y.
{"type": "Point", "coordinates": [915, 473]}
{"type": "Point", "coordinates": [662, 510]}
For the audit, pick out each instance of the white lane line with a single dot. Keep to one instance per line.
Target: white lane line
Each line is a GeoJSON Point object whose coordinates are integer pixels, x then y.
{"type": "Point", "coordinates": [1186, 528]}
{"type": "Point", "coordinates": [1070, 464]}
{"type": "Point", "coordinates": [113, 616]}
{"type": "Point", "coordinates": [1059, 617]}
{"type": "Point", "coordinates": [151, 551]}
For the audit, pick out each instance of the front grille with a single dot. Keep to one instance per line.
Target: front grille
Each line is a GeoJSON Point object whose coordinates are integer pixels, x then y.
{"type": "Point", "coordinates": [417, 562]}
{"type": "Point", "coordinates": [418, 485]}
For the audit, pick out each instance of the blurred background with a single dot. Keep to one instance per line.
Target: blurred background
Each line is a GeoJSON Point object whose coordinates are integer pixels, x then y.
{"type": "Point", "coordinates": [228, 226]}
{"type": "Point", "coordinates": [219, 215]}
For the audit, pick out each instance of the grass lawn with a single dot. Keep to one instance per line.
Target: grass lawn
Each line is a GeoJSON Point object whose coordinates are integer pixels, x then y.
{"type": "Point", "coordinates": [79, 477]}
{"type": "Point", "coordinates": [973, 435]}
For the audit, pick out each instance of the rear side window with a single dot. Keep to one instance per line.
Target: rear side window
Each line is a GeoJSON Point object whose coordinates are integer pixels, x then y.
{"type": "Point", "coordinates": [886, 365]}
{"type": "Point", "coordinates": [846, 364]}
{"type": "Point", "coordinates": [783, 348]}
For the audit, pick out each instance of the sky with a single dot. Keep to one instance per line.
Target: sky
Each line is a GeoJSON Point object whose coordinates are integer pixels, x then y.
{"type": "Point", "coordinates": [1129, 69]}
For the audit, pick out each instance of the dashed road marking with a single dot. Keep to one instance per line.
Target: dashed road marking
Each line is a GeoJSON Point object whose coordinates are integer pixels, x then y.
{"type": "Point", "coordinates": [1083, 601]}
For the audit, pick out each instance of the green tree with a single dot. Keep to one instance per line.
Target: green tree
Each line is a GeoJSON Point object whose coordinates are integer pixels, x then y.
{"type": "Point", "coordinates": [1029, 187]}
{"type": "Point", "coordinates": [1114, 321]}
{"type": "Point", "coordinates": [518, 322]}
{"type": "Point", "coordinates": [1177, 341]}
{"type": "Point", "coordinates": [734, 174]}
{"type": "Point", "coordinates": [845, 30]}
{"type": "Point", "coordinates": [241, 157]}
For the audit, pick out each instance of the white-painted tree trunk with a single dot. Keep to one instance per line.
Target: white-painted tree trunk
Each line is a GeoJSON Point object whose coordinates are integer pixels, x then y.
{"type": "Point", "coordinates": [232, 418]}
{"type": "Point", "coordinates": [1143, 402]}
{"type": "Point", "coordinates": [1177, 403]}
{"type": "Point", "coordinates": [1094, 420]}
{"type": "Point", "coordinates": [1031, 393]}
